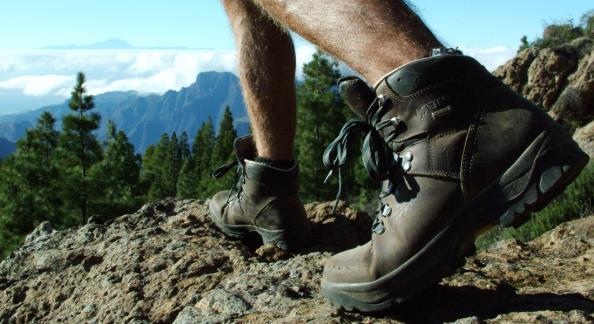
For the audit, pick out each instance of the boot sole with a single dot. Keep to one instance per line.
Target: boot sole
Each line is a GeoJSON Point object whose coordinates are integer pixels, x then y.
{"type": "Point", "coordinates": [288, 239]}
{"type": "Point", "coordinates": [550, 163]}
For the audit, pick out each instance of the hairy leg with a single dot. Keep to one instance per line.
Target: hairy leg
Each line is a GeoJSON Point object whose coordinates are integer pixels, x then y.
{"type": "Point", "coordinates": [266, 59]}
{"type": "Point", "coordinates": [371, 36]}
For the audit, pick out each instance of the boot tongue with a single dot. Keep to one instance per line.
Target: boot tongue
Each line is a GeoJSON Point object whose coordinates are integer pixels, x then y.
{"type": "Point", "coordinates": [356, 94]}
{"type": "Point", "coordinates": [245, 148]}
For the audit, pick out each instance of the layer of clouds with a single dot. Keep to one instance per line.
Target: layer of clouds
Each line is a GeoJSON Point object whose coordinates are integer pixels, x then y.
{"type": "Point", "coordinates": [37, 85]}
{"type": "Point", "coordinates": [491, 57]}
{"type": "Point", "coordinates": [52, 72]}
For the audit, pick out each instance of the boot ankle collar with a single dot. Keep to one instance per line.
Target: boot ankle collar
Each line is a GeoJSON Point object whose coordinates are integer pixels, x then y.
{"type": "Point", "coordinates": [415, 75]}
{"type": "Point", "coordinates": [281, 182]}
{"type": "Point", "coordinates": [260, 164]}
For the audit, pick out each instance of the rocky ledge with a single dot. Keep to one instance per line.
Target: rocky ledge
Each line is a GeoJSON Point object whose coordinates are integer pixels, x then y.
{"type": "Point", "coordinates": [168, 263]}
{"type": "Point", "coordinates": [559, 79]}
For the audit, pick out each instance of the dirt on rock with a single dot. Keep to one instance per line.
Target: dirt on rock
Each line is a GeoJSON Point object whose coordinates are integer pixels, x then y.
{"type": "Point", "coordinates": [168, 263]}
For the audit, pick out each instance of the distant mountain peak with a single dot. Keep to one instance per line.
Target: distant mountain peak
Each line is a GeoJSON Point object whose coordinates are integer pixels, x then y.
{"type": "Point", "coordinates": [112, 43]}
{"type": "Point", "coordinates": [116, 43]}
{"type": "Point", "coordinates": [208, 76]}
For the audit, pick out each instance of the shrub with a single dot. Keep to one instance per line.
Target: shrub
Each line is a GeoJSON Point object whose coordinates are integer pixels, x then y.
{"type": "Point", "coordinates": [558, 34]}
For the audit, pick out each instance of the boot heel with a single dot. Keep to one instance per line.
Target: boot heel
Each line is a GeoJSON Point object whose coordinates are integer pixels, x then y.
{"type": "Point", "coordinates": [288, 239]}
{"type": "Point", "coordinates": [558, 162]}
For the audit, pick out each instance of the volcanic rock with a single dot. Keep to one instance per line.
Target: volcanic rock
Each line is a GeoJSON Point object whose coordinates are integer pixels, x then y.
{"type": "Point", "coordinates": [169, 263]}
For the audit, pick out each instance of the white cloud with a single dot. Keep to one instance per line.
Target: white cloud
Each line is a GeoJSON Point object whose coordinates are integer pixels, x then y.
{"type": "Point", "coordinates": [36, 85]}
{"type": "Point", "coordinates": [157, 71]}
{"type": "Point", "coordinates": [52, 72]}
{"type": "Point", "coordinates": [490, 57]}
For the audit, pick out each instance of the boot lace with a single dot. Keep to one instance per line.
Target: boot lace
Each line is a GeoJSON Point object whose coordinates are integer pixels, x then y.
{"type": "Point", "coordinates": [378, 159]}
{"type": "Point", "coordinates": [236, 192]}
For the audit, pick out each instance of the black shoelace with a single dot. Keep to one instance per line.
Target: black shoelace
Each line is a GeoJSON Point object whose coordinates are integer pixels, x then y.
{"type": "Point", "coordinates": [237, 189]}
{"type": "Point", "coordinates": [377, 157]}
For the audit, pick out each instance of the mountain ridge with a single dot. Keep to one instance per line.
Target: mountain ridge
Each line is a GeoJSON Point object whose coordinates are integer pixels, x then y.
{"type": "Point", "coordinates": [6, 147]}
{"type": "Point", "coordinates": [115, 43]}
{"type": "Point", "coordinates": [144, 117]}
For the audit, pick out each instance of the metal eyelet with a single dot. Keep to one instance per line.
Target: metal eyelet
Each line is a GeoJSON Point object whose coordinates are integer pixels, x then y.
{"type": "Point", "coordinates": [386, 211]}
{"type": "Point", "coordinates": [405, 166]}
{"type": "Point", "coordinates": [381, 99]}
{"type": "Point", "coordinates": [378, 226]}
{"type": "Point", "coordinates": [396, 121]}
{"type": "Point", "coordinates": [404, 160]}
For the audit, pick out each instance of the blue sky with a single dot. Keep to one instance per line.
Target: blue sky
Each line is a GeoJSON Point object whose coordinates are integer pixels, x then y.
{"type": "Point", "coordinates": [31, 76]}
{"type": "Point", "coordinates": [202, 23]}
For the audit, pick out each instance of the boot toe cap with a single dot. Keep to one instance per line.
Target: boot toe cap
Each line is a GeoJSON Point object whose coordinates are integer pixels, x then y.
{"type": "Point", "coordinates": [217, 203]}
{"type": "Point", "coordinates": [351, 266]}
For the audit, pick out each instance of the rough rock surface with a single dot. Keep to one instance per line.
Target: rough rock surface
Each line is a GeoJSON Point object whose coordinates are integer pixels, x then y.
{"type": "Point", "coordinates": [584, 136]}
{"type": "Point", "coordinates": [168, 263]}
{"type": "Point", "coordinates": [560, 79]}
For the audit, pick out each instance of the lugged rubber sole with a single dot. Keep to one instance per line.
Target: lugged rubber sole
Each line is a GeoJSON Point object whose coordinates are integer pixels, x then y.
{"type": "Point", "coordinates": [541, 173]}
{"type": "Point", "coordinates": [288, 239]}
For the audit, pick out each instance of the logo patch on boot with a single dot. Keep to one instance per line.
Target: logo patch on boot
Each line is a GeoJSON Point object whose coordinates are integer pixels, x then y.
{"type": "Point", "coordinates": [438, 108]}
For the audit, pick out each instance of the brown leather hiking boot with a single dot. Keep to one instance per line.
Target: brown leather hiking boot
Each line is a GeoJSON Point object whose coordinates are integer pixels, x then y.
{"type": "Point", "coordinates": [265, 200]}
{"type": "Point", "coordinates": [458, 152]}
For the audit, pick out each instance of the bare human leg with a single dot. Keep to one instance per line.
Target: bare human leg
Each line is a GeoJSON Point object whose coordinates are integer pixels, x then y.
{"type": "Point", "coordinates": [266, 197]}
{"type": "Point", "coordinates": [371, 36]}
{"type": "Point", "coordinates": [266, 59]}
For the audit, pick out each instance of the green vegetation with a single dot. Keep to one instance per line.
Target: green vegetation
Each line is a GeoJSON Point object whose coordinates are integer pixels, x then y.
{"type": "Point", "coordinates": [195, 173]}
{"type": "Point", "coordinates": [30, 181]}
{"type": "Point", "coordinates": [222, 153]}
{"type": "Point", "coordinates": [67, 176]}
{"type": "Point", "coordinates": [78, 150]}
{"type": "Point", "coordinates": [117, 176]}
{"type": "Point", "coordinates": [321, 114]}
{"type": "Point", "coordinates": [171, 169]}
{"type": "Point", "coordinates": [575, 202]}
{"type": "Point", "coordinates": [559, 34]}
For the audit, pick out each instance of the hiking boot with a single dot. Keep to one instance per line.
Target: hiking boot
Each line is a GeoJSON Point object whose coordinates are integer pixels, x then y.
{"type": "Point", "coordinates": [265, 200]}
{"type": "Point", "coordinates": [457, 152]}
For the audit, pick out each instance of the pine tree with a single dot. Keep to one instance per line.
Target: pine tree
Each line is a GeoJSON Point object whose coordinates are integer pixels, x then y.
{"type": "Point", "coordinates": [155, 167]}
{"type": "Point", "coordinates": [110, 132]}
{"type": "Point", "coordinates": [172, 166]}
{"type": "Point", "coordinates": [118, 175]}
{"type": "Point", "coordinates": [188, 180]}
{"type": "Point", "coordinates": [321, 114]}
{"type": "Point", "coordinates": [30, 185]}
{"type": "Point", "coordinates": [223, 151]}
{"type": "Point", "coordinates": [79, 148]}
{"type": "Point", "coordinates": [184, 146]}
{"type": "Point", "coordinates": [148, 170]}
{"type": "Point", "coordinates": [202, 151]}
